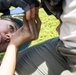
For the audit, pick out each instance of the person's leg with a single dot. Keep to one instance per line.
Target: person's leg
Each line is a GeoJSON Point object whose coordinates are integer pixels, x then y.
{"type": "Point", "coordinates": [41, 59]}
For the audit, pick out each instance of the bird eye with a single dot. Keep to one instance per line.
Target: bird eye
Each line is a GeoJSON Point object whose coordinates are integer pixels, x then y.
{"type": "Point", "coordinates": [11, 28]}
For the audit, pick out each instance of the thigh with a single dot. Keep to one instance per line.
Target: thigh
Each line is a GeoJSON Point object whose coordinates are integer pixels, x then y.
{"type": "Point", "coordinates": [41, 59]}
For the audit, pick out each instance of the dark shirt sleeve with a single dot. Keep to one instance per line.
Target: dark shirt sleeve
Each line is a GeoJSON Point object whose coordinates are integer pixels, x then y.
{"type": "Point", "coordinates": [21, 3]}
{"type": "Point", "coordinates": [24, 4]}
{"type": "Point", "coordinates": [4, 5]}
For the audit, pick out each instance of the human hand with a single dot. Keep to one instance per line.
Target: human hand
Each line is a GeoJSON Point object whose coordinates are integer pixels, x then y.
{"type": "Point", "coordinates": [31, 27]}
{"type": "Point", "coordinates": [34, 20]}
{"type": "Point", "coordinates": [35, 24]}
{"type": "Point", "coordinates": [32, 17]}
{"type": "Point", "coordinates": [21, 36]}
{"type": "Point", "coordinates": [27, 6]}
{"type": "Point", "coordinates": [30, 13]}
{"type": "Point", "coordinates": [25, 33]}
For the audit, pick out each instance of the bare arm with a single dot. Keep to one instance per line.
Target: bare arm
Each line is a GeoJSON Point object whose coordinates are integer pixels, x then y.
{"type": "Point", "coordinates": [9, 61]}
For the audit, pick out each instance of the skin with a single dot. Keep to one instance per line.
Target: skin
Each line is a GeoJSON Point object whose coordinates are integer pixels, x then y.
{"type": "Point", "coordinates": [33, 20]}
{"type": "Point", "coordinates": [23, 35]}
{"type": "Point", "coordinates": [28, 32]}
{"type": "Point", "coordinates": [7, 30]}
{"type": "Point", "coordinates": [31, 16]}
{"type": "Point", "coordinates": [31, 28]}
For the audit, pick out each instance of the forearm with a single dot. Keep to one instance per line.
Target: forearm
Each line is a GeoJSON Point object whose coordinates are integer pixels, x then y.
{"type": "Point", "coordinates": [9, 61]}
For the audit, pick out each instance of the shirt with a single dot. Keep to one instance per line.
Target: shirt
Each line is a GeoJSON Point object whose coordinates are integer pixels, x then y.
{"type": "Point", "coordinates": [24, 4]}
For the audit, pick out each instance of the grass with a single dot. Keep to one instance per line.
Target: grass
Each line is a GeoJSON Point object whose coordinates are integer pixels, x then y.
{"type": "Point", "coordinates": [48, 28]}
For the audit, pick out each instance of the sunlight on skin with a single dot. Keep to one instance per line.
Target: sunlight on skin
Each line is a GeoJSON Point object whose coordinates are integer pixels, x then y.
{"type": "Point", "coordinates": [6, 67]}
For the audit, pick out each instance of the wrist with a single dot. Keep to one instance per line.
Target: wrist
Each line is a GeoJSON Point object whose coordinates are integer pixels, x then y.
{"type": "Point", "coordinates": [14, 43]}
{"type": "Point", "coordinates": [12, 47]}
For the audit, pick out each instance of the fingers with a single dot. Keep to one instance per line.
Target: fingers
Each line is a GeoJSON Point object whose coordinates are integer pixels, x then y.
{"type": "Point", "coordinates": [32, 6]}
{"type": "Point", "coordinates": [37, 21]}
{"type": "Point", "coordinates": [23, 35]}
{"type": "Point", "coordinates": [33, 13]}
{"type": "Point", "coordinates": [31, 27]}
{"type": "Point", "coordinates": [38, 24]}
{"type": "Point", "coordinates": [34, 26]}
{"type": "Point", "coordinates": [36, 11]}
{"type": "Point", "coordinates": [34, 22]}
{"type": "Point", "coordinates": [28, 15]}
